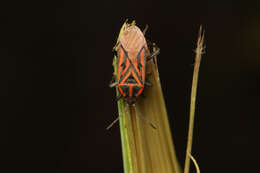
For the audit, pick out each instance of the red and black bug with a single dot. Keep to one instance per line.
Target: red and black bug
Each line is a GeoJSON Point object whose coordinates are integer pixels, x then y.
{"type": "Point", "coordinates": [132, 55]}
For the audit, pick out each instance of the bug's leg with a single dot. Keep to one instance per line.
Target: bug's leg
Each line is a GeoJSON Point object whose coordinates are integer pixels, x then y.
{"type": "Point", "coordinates": [142, 117]}
{"type": "Point", "coordinates": [119, 97]}
{"type": "Point", "coordinates": [111, 125]}
{"type": "Point", "coordinates": [113, 82]}
{"type": "Point", "coordinates": [111, 85]}
{"type": "Point", "coordinates": [155, 53]}
{"type": "Point", "coordinates": [148, 83]}
{"type": "Point", "coordinates": [145, 29]}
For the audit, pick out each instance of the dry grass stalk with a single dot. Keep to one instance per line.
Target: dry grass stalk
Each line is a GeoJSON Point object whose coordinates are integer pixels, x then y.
{"type": "Point", "coordinates": [199, 52]}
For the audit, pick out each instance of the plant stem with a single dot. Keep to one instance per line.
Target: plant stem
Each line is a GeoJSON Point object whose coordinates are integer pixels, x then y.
{"type": "Point", "coordinates": [199, 52]}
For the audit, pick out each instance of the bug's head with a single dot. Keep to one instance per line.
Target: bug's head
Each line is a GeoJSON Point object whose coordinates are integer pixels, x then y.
{"type": "Point", "coordinates": [130, 100]}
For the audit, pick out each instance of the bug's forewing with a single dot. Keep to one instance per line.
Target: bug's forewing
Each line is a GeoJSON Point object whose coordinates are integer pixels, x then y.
{"type": "Point", "coordinates": [132, 40]}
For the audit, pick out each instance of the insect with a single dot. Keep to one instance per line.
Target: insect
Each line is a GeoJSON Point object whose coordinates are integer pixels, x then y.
{"type": "Point", "coordinates": [132, 55]}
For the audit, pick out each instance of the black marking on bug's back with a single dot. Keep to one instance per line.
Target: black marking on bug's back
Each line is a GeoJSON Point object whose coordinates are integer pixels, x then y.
{"type": "Point", "coordinates": [125, 52]}
{"type": "Point", "coordinates": [123, 65]}
{"type": "Point", "coordinates": [125, 89]}
{"type": "Point", "coordinates": [138, 76]}
{"type": "Point", "coordinates": [131, 65]}
{"type": "Point", "coordinates": [122, 77]}
{"type": "Point", "coordinates": [140, 65]}
{"type": "Point", "coordinates": [139, 60]}
{"type": "Point", "coordinates": [131, 79]}
{"type": "Point", "coordinates": [124, 57]}
{"type": "Point", "coordinates": [136, 90]}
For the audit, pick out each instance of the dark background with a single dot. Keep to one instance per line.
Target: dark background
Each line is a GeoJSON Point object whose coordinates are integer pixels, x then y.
{"type": "Point", "coordinates": [56, 63]}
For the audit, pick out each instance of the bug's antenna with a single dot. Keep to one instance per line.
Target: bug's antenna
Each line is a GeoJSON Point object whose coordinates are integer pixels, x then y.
{"type": "Point", "coordinates": [143, 118]}
{"type": "Point", "coordinates": [111, 125]}
{"type": "Point", "coordinates": [145, 29]}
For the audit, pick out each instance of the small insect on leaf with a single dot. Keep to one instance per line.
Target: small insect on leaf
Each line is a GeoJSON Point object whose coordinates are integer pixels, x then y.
{"type": "Point", "coordinates": [132, 55]}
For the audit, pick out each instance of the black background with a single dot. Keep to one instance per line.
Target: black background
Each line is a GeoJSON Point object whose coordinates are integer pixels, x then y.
{"type": "Point", "coordinates": [56, 63]}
